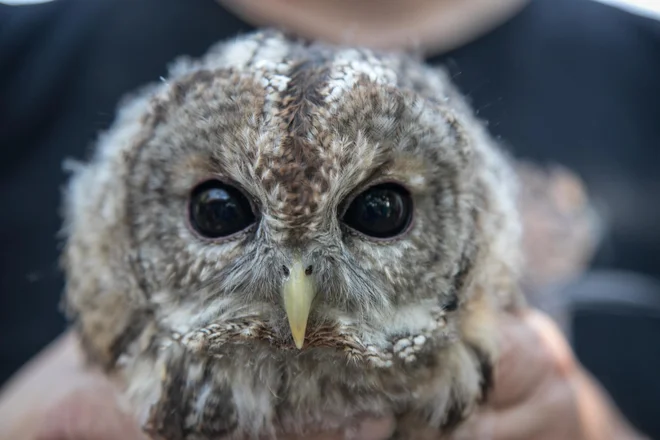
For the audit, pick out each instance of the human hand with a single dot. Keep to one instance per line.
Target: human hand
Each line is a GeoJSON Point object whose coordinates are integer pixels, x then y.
{"type": "Point", "coordinates": [55, 397]}
{"type": "Point", "coordinates": [541, 392]}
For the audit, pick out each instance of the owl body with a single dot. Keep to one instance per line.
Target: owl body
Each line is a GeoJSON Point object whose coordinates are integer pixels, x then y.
{"type": "Point", "coordinates": [283, 236]}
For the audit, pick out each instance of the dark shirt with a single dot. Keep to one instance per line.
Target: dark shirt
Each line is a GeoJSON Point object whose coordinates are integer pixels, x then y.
{"type": "Point", "coordinates": [567, 81]}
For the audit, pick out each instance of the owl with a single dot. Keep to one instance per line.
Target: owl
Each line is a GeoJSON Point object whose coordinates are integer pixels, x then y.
{"type": "Point", "coordinates": [285, 235]}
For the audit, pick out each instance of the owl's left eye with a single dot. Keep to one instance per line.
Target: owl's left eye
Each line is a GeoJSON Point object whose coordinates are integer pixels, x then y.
{"type": "Point", "coordinates": [219, 210]}
{"type": "Point", "coordinates": [382, 211]}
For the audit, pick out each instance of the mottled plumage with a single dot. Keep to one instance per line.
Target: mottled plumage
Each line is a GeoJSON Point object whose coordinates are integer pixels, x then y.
{"type": "Point", "coordinates": [196, 329]}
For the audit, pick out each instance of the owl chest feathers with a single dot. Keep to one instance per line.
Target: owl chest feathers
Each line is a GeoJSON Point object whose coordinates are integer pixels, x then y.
{"type": "Point", "coordinates": [246, 379]}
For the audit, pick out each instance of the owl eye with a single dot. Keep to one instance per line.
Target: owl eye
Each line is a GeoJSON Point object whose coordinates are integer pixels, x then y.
{"type": "Point", "coordinates": [382, 211]}
{"type": "Point", "coordinates": [219, 210]}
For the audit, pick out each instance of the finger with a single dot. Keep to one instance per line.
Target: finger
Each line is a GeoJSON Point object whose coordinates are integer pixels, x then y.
{"type": "Point", "coordinates": [44, 380]}
{"type": "Point", "coordinates": [535, 385]}
{"type": "Point", "coordinates": [366, 429]}
{"type": "Point", "coordinates": [56, 397]}
{"type": "Point", "coordinates": [532, 348]}
{"type": "Point", "coordinates": [549, 414]}
{"type": "Point", "coordinates": [374, 429]}
{"type": "Point", "coordinates": [37, 377]}
{"type": "Point", "coordinates": [554, 341]}
{"type": "Point", "coordinates": [88, 414]}
{"type": "Point", "coordinates": [478, 427]}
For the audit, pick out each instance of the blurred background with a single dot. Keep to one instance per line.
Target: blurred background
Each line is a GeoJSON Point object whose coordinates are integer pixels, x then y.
{"type": "Point", "coordinates": [574, 83]}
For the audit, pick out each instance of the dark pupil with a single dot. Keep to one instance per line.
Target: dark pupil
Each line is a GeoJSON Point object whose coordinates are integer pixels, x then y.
{"type": "Point", "coordinates": [219, 210]}
{"type": "Point", "coordinates": [382, 211]}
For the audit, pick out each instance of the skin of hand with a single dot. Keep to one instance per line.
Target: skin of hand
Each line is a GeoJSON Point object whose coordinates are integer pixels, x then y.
{"type": "Point", "coordinates": [541, 392]}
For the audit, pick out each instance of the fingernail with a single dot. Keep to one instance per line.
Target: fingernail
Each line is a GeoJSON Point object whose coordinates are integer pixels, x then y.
{"type": "Point", "coordinates": [373, 429]}
{"type": "Point", "coordinates": [478, 427]}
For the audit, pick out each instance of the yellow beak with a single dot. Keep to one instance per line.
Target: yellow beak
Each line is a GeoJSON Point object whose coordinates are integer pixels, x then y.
{"type": "Point", "coordinates": [298, 293]}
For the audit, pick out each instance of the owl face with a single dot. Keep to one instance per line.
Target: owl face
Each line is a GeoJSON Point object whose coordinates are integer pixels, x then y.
{"type": "Point", "coordinates": [304, 185]}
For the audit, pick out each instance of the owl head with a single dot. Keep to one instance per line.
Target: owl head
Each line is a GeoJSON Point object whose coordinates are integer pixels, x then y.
{"type": "Point", "coordinates": [296, 185]}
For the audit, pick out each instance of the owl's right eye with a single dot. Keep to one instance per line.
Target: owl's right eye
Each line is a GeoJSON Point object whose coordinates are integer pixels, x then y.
{"type": "Point", "coordinates": [219, 210]}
